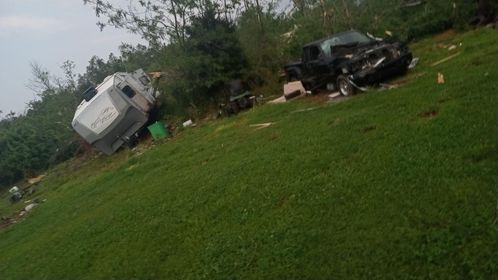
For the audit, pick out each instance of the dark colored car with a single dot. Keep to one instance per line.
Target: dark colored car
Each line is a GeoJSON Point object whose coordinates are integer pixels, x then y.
{"type": "Point", "coordinates": [238, 98]}
{"type": "Point", "coordinates": [348, 60]}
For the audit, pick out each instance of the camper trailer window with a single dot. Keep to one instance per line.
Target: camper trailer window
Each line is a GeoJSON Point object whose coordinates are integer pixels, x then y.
{"type": "Point", "coordinates": [129, 91]}
{"type": "Point", "coordinates": [144, 80]}
{"type": "Point", "coordinates": [89, 93]}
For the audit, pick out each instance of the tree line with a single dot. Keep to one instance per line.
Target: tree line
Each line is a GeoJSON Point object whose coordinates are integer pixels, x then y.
{"type": "Point", "coordinates": [200, 46]}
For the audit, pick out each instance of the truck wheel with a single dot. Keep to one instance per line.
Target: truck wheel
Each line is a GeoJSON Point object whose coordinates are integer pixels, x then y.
{"type": "Point", "coordinates": [243, 102]}
{"type": "Point", "coordinates": [344, 86]}
{"type": "Point", "coordinates": [234, 107]}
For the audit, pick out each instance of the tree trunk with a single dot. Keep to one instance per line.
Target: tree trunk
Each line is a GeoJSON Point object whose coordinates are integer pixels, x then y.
{"type": "Point", "coordinates": [260, 19]}
{"type": "Point", "coordinates": [324, 12]}
{"type": "Point", "coordinates": [347, 13]}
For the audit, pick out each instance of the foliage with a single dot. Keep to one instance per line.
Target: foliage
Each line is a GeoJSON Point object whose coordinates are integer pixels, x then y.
{"type": "Point", "coordinates": [199, 46]}
{"type": "Point", "coordinates": [32, 141]}
{"type": "Point", "coordinates": [387, 185]}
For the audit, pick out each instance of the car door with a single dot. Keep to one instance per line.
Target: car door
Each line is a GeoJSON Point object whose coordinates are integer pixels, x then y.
{"type": "Point", "coordinates": [313, 62]}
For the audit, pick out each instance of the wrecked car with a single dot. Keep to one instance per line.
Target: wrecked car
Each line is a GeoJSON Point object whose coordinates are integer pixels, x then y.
{"type": "Point", "coordinates": [348, 61]}
{"type": "Point", "coordinates": [238, 97]}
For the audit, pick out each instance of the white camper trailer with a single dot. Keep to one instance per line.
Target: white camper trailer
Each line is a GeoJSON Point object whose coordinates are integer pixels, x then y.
{"type": "Point", "coordinates": [111, 113]}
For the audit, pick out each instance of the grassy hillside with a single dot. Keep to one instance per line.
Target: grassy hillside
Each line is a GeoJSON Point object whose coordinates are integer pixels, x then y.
{"type": "Point", "coordinates": [398, 184]}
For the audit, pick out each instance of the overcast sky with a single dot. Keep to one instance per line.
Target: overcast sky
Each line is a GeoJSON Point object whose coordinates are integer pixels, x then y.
{"type": "Point", "coordinates": [48, 32]}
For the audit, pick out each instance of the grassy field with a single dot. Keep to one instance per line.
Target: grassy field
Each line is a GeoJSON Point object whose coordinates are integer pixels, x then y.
{"type": "Point", "coordinates": [396, 184]}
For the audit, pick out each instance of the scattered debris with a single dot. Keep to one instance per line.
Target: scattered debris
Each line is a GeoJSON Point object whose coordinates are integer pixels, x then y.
{"type": "Point", "coordinates": [30, 207]}
{"type": "Point", "coordinates": [428, 114]}
{"type": "Point", "coordinates": [156, 75]}
{"type": "Point", "coordinates": [289, 35]}
{"type": "Point", "coordinates": [334, 95]}
{"type": "Point", "coordinates": [373, 37]}
{"type": "Point", "coordinates": [188, 123]}
{"type": "Point", "coordinates": [452, 47]}
{"type": "Point", "coordinates": [281, 99]}
{"type": "Point", "coordinates": [445, 36]}
{"type": "Point", "coordinates": [158, 130]}
{"type": "Point", "coordinates": [445, 59]}
{"type": "Point", "coordinates": [440, 78]}
{"type": "Point", "coordinates": [36, 180]}
{"type": "Point", "coordinates": [14, 189]}
{"type": "Point", "coordinates": [293, 89]}
{"type": "Point", "coordinates": [385, 86]}
{"type": "Point", "coordinates": [16, 194]}
{"type": "Point", "coordinates": [389, 33]}
{"type": "Point", "coordinates": [5, 222]}
{"type": "Point", "coordinates": [291, 95]}
{"type": "Point", "coordinates": [261, 125]}
{"type": "Point", "coordinates": [305, 110]}
{"type": "Point", "coordinates": [413, 63]}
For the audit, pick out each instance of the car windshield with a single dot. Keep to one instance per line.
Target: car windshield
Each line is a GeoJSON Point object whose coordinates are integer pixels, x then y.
{"type": "Point", "coordinates": [343, 39]}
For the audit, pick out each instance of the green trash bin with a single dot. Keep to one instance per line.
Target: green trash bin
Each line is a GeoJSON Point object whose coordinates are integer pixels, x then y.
{"type": "Point", "coordinates": [158, 130]}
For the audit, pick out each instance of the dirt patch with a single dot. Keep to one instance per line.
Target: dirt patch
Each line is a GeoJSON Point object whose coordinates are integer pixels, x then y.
{"type": "Point", "coordinates": [319, 97]}
{"type": "Point", "coordinates": [369, 128]}
{"type": "Point", "coordinates": [484, 155]}
{"type": "Point", "coordinates": [443, 100]}
{"type": "Point", "coordinates": [5, 222]}
{"type": "Point", "coordinates": [334, 122]}
{"type": "Point", "coordinates": [339, 99]}
{"type": "Point", "coordinates": [274, 136]}
{"type": "Point", "coordinates": [445, 35]}
{"type": "Point", "coordinates": [282, 202]}
{"type": "Point", "coordinates": [429, 114]}
{"type": "Point", "coordinates": [476, 62]}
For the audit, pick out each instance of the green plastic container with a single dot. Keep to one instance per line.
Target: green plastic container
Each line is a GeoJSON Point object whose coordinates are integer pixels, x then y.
{"type": "Point", "coordinates": [158, 130]}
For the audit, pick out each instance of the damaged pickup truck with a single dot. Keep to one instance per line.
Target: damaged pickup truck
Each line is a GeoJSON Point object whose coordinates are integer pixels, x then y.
{"type": "Point", "coordinates": [348, 61]}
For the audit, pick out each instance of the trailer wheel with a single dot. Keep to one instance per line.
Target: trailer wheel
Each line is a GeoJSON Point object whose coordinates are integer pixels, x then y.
{"type": "Point", "coordinates": [344, 86]}
{"type": "Point", "coordinates": [132, 141]}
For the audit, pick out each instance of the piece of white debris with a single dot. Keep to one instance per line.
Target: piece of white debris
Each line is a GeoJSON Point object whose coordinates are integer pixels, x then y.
{"type": "Point", "coordinates": [188, 123]}
{"type": "Point", "coordinates": [261, 125]}
{"type": "Point", "coordinates": [413, 63]}
{"type": "Point", "coordinates": [334, 95]}
{"type": "Point", "coordinates": [30, 207]}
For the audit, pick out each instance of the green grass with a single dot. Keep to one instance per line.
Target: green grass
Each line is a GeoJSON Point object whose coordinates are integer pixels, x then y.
{"type": "Point", "coordinates": [398, 184]}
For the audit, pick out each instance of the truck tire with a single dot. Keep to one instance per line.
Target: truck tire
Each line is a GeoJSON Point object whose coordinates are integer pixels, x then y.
{"type": "Point", "coordinates": [243, 102]}
{"type": "Point", "coordinates": [344, 86]}
{"type": "Point", "coordinates": [234, 108]}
